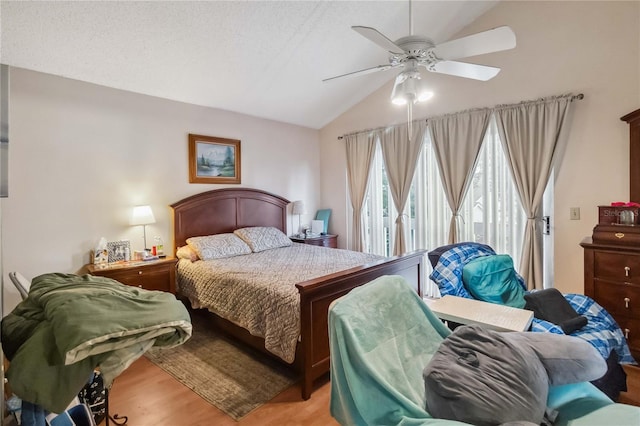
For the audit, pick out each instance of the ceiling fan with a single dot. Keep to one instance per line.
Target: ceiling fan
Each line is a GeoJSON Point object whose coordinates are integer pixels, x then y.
{"type": "Point", "coordinates": [416, 51]}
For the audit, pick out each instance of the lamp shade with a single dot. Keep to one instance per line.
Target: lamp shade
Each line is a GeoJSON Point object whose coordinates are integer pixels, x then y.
{"type": "Point", "coordinates": [298, 208]}
{"type": "Point", "coordinates": [142, 215]}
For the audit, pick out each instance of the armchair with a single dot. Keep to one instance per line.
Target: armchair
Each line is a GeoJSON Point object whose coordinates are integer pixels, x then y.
{"type": "Point", "coordinates": [382, 335]}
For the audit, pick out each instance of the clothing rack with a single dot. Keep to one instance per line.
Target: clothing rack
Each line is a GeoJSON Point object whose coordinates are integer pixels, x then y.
{"type": "Point", "coordinates": [22, 285]}
{"type": "Point", "coordinates": [116, 419]}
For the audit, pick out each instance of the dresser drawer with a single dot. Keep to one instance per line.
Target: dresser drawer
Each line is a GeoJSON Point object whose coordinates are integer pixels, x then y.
{"type": "Point", "coordinates": [631, 329]}
{"type": "Point", "coordinates": [323, 242]}
{"type": "Point", "coordinates": [619, 299]}
{"type": "Point", "coordinates": [149, 275]}
{"type": "Point", "coordinates": [146, 278]}
{"type": "Point", "coordinates": [617, 267]}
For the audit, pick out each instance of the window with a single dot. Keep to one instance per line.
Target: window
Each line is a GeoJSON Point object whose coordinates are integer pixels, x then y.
{"type": "Point", "coordinates": [491, 212]}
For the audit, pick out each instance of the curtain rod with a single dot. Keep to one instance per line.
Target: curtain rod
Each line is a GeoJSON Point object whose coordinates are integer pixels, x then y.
{"type": "Point", "coordinates": [577, 97]}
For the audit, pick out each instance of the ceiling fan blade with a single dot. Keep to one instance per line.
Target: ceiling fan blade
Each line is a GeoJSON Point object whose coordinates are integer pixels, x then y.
{"type": "Point", "coordinates": [364, 71]}
{"type": "Point", "coordinates": [378, 38]}
{"type": "Point", "coordinates": [495, 40]}
{"type": "Point", "coordinates": [463, 69]}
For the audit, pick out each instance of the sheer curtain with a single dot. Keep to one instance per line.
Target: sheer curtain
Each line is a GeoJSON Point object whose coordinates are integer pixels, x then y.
{"type": "Point", "coordinates": [492, 213]}
{"type": "Point", "coordinates": [456, 140]}
{"type": "Point", "coordinates": [360, 149]}
{"type": "Point", "coordinates": [530, 133]}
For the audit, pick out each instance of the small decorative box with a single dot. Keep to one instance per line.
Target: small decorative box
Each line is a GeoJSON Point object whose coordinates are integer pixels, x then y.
{"type": "Point", "coordinates": [610, 214]}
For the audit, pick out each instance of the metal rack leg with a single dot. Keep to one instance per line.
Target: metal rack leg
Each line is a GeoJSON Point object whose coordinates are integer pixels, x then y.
{"type": "Point", "coordinates": [118, 420]}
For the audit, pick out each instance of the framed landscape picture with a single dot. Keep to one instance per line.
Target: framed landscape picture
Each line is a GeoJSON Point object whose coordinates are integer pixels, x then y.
{"type": "Point", "coordinates": [213, 160]}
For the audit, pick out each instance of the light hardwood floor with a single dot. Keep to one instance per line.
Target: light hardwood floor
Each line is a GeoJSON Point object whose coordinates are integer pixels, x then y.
{"type": "Point", "coordinates": [149, 396]}
{"type": "Point", "coordinates": [632, 396]}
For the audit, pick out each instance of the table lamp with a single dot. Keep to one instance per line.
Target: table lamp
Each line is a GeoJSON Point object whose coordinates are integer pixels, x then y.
{"type": "Point", "coordinates": [142, 215]}
{"type": "Point", "coordinates": [299, 209]}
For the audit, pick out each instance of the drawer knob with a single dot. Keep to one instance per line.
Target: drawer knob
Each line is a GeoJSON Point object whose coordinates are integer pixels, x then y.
{"type": "Point", "coordinates": [626, 333]}
{"type": "Point", "coordinates": [139, 272]}
{"type": "Point", "coordinates": [140, 286]}
{"type": "Point", "coordinates": [626, 302]}
{"type": "Point", "coordinates": [626, 271]}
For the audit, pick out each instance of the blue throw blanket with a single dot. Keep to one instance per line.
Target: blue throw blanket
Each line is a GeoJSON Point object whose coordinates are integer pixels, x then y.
{"type": "Point", "coordinates": [601, 330]}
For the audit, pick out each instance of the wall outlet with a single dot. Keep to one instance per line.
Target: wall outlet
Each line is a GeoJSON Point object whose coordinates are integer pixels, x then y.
{"type": "Point", "coordinates": [574, 213]}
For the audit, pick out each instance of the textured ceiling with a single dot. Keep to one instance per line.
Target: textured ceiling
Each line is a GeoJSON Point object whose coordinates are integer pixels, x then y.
{"type": "Point", "coordinates": [260, 58]}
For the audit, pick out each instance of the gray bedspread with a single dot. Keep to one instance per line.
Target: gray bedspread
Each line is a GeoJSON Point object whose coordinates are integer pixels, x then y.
{"type": "Point", "coordinates": [257, 291]}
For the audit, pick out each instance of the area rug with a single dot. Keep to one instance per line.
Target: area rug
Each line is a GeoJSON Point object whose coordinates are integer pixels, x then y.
{"type": "Point", "coordinates": [233, 377]}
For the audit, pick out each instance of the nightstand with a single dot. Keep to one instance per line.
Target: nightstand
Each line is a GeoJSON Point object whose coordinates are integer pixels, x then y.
{"type": "Point", "coordinates": [150, 275]}
{"type": "Point", "coordinates": [321, 240]}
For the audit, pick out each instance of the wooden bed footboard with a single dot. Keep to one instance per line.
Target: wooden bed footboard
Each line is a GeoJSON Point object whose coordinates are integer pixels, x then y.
{"type": "Point", "coordinates": [316, 296]}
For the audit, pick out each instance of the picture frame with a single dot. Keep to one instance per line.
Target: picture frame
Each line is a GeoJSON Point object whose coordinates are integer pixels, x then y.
{"type": "Point", "coordinates": [214, 160]}
{"type": "Point", "coordinates": [116, 250]}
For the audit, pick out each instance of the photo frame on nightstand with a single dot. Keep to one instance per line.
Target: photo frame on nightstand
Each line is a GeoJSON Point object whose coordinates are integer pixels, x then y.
{"type": "Point", "coordinates": [117, 249]}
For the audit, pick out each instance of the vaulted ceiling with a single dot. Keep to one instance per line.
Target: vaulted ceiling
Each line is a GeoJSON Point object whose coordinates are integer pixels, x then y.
{"type": "Point", "coordinates": [262, 58]}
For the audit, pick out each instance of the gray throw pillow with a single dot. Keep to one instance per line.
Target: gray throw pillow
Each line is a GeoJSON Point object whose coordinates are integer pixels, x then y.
{"type": "Point", "coordinates": [567, 359]}
{"type": "Point", "coordinates": [479, 376]}
{"type": "Point", "coordinates": [484, 377]}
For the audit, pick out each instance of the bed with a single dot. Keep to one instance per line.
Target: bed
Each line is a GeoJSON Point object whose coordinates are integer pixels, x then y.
{"type": "Point", "coordinates": [226, 210]}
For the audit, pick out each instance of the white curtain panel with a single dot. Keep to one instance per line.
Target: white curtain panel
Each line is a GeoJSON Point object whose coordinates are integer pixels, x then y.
{"type": "Point", "coordinates": [456, 139]}
{"type": "Point", "coordinates": [360, 150]}
{"type": "Point", "coordinates": [530, 133]}
{"type": "Point", "coordinates": [400, 151]}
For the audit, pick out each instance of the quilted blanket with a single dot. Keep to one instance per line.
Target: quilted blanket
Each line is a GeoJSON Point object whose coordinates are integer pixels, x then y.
{"type": "Point", "coordinates": [257, 291]}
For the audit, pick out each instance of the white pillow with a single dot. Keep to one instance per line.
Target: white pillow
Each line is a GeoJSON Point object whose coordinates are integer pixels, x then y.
{"type": "Point", "coordinates": [218, 246]}
{"type": "Point", "coordinates": [261, 238]}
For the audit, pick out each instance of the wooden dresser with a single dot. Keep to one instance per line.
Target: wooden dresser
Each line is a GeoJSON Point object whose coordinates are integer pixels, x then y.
{"type": "Point", "coordinates": [149, 275]}
{"type": "Point", "coordinates": [612, 279]}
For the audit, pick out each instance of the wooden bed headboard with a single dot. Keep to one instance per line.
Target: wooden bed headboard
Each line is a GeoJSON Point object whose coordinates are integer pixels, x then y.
{"type": "Point", "coordinates": [225, 210]}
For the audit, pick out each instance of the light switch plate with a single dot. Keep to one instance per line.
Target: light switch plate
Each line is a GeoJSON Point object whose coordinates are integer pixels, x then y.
{"type": "Point", "coordinates": [574, 213]}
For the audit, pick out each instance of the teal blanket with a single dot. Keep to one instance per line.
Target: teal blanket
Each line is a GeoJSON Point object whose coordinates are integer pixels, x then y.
{"type": "Point", "coordinates": [382, 336]}
{"type": "Point", "coordinates": [71, 324]}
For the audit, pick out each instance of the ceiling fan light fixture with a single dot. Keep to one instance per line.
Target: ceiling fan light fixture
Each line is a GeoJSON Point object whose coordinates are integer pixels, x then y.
{"type": "Point", "coordinates": [425, 94]}
{"type": "Point", "coordinates": [410, 88]}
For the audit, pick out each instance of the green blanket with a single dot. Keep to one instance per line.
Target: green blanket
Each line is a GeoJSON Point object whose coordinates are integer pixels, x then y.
{"type": "Point", "coordinates": [71, 324]}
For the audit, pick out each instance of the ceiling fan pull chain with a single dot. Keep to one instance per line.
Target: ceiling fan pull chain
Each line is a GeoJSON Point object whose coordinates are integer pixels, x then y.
{"type": "Point", "coordinates": [410, 19]}
{"type": "Point", "coordinates": [409, 119]}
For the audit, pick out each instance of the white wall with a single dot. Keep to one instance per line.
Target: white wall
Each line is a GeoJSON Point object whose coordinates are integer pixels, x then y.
{"type": "Point", "coordinates": [81, 156]}
{"type": "Point", "coordinates": [580, 47]}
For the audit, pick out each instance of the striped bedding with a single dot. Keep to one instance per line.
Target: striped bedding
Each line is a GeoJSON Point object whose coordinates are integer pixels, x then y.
{"type": "Point", "coordinates": [257, 291]}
